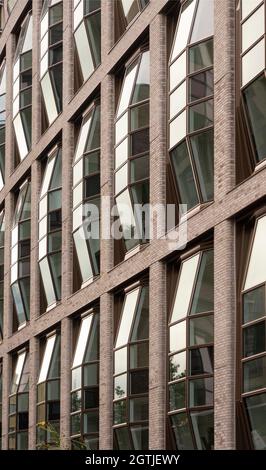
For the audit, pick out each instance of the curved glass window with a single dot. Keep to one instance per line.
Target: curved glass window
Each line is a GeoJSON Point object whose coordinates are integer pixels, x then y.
{"type": "Point", "coordinates": [50, 228]}
{"type": "Point", "coordinates": [85, 385]}
{"type": "Point", "coordinates": [20, 255]}
{"type": "Point", "coordinates": [254, 336]}
{"type": "Point", "coordinates": [48, 394]}
{"type": "Point", "coordinates": [87, 35]}
{"type": "Point", "coordinates": [132, 152]}
{"type": "Point", "coordinates": [253, 81]}
{"type": "Point", "coordinates": [22, 88]}
{"type": "Point", "coordinates": [86, 196]}
{"type": "Point", "coordinates": [19, 404]}
{"type": "Point", "coordinates": [51, 65]}
{"type": "Point", "coordinates": [191, 103]}
{"type": "Point", "coordinates": [2, 122]}
{"type": "Point", "coordinates": [131, 373]}
{"type": "Point", "coordinates": [129, 9]}
{"type": "Point", "coordinates": [2, 247]}
{"type": "Point", "coordinates": [191, 355]}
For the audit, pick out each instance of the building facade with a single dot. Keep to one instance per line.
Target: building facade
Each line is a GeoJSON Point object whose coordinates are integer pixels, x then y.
{"type": "Point", "coordinates": [149, 339]}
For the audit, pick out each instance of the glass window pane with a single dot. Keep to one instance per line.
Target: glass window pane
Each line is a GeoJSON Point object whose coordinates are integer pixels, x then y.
{"type": "Point", "coordinates": [255, 96]}
{"type": "Point", "coordinates": [201, 85]}
{"type": "Point", "coordinates": [92, 163]}
{"type": "Point", "coordinates": [140, 437]}
{"type": "Point", "coordinates": [47, 281]}
{"type": "Point", "coordinates": [130, 8]}
{"type": "Point", "coordinates": [120, 412]}
{"type": "Point", "coordinates": [93, 23]}
{"type": "Point", "coordinates": [76, 378]}
{"type": "Point", "coordinates": [254, 374]}
{"type": "Point", "coordinates": [139, 355]}
{"type": "Point", "coordinates": [55, 261]}
{"type": "Point", "coordinates": [177, 397]}
{"type": "Point", "coordinates": [92, 350]}
{"type": "Point", "coordinates": [120, 360]}
{"type": "Point", "coordinates": [256, 407]}
{"type": "Point", "coordinates": [178, 366]}
{"type": "Point", "coordinates": [91, 376]}
{"type": "Point", "coordinates": [200, 115]}
{"type": "Point", "coordinates": [178, 129]}
{"type": "Point", "coordinates": [254, 339]}
{"type": "Point", "coordinates": [121, 128]}
{"type": "Point", "coordinates": [121, 179]}
{"type": "Point", "coordinates": [82, 340]}
{"type": "Point", "coordinates": [139, 117]}
{"type": "Point", "coordinates": [139, 410]}
{"type": "Point", "coordinates": [178, 100]}
{"type": "Point", "coordinates": [139, 169]}
{"type": "Point", "coordinates": [54, 200]}
{"type": "Point", "coordinates": [121, 153]}
{"type": "Point", "coordinates": [185, 286]}
{"type": "Point", "coordinates": [201, 392]}
{"type": "Point", "coordinates": [127, 315]}
{"type": "Point", "coordinates": [83, 50]}
{"type": "Point", "coordinates": [183, 27]}
{"type": "Point", "coordinates": [75, 424]}
{"type": "Point", "coordinates": [203, 299]}
{"type": "Point", "coordinates": [184, 176]}
{"type": "Point", "coordinates": [253, 28]}
{"type": "Point", "coordinates": [56, 13]}
{"type": "Point", "coordinates": [123, 439]}
{"type": "Point", "coordinates": [139, 382]}
{"type": "Point", "coordinates": [256, 273]}
{"type": "Point", "coordinates": [91, 398]}
{"type": "Point", "coordinates": [178, 71]}
{"type": "Point", "coordinates": [254, 304]}
{"type": "Point", "coordinates": [142, 87]}
{"type": "Point", "coordinates": [178, 336]}
{"type": "Point", "coordinates": [204, 23]}
{"type": "Point", "coordinates": [49, 99]}
{"type": "Point", "coordinates": [203, 426]}
{"type": "Point", "coordinates": [253, 62]}
{"type": "Point", "coordinates": [201, 361]}
{"type": "Point", "coordinates": [248, 6]}
{"type": "Point", "coordinates": [120, 386]}
{"type": "Point", "coordinates": [76, 401]}
{"type": "Point", "coordinates": [201, 56]}
{"type": "Point", "coordinates": [54, 369]}
{"type": "Point", "coordinates": [203, 152]}
{"type": "Point", "coordinates": [127, 89]}
{"type": "Point", "coordinates": [201, 330]}
{"type": "Point", "coordinates": [53, 390]}
{"type": "Point", "coordinates": [140, 142]}
{"type": "Point", "coordinates": [49, 347]}
{"type": "Point", "coordinates": [141, 324]}
{"type": "Point", "coordinates": [181, 431]}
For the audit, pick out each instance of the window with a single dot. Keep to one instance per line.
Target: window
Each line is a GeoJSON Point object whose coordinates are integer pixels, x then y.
{"type": "Point", "coordinates": [19, 403]}
{"type": "Point", "coordinates": [2, 122]}
{"type": "Point", "coordinates": [86, 196]}
{"type": "Point", "coordinates": [131, 372]}
{"type": "Point", "coordinates": [2, 247]}
{"type": "Point", "coordinates": [253, 81]}
{"type": "Point", "coordinates": [48, 394]}
{"type": "Point", "coordinates": [20, 255]}
{"type": "Point", "coordinates": [50, 228]}
{"type": "Point", "coordinates": [85, 385]}
{"type": "Point", "coordinates": [254, 336]}
{"type": "Point", "coordinates": [191, 332]}
{"type": "Point", "coordinates": [51, 65]}
{"type": "Point", "coordinates": [10, 5]}
{"type": "Point", "coordinates": [132, 152]}
{"type": "Point", "coordinates": [22, 88]}
{"type": "Point", "coordinates": [127, 10]}
{"type": "Point", "coordinates": [87, 35]}
{"type": "Point", "coordinates": [191, 104]}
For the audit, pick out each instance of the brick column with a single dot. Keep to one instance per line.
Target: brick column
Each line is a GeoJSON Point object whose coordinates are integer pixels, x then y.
{"type": "Point", "coordinates": [157, 357]}
{"type": "Point", "coordinates": [107, 246]}
{"type": "Point", "coordinates": [157, 307]}
{"type": "Point", "coordinates": [66, 342]}
{"type": "Point", "coordinates": [67, 154]}
{"type": "Point", "coordinates": [224, 97]}
{"type": "Point", "coordinates": [106, 371]}
{"type": "Point", "coordinates": [7, 368]}
{"type": "Point", "coordinates": [224, 240]}
{"type": "Point", "coordinates": [36, 89]}
{"type": "Point", "coordinates": [224, 335]}
{"type": "Point", "coordinates": [33, 377]}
